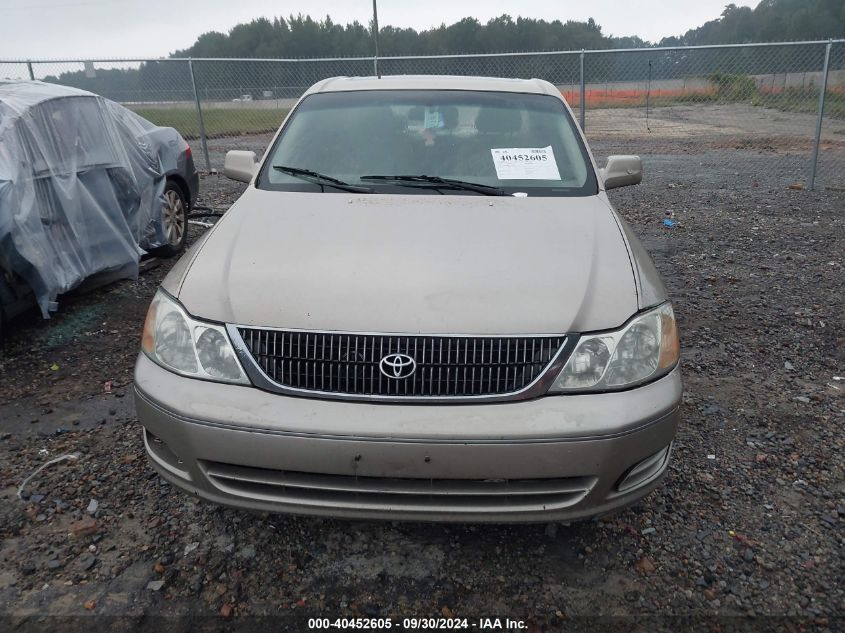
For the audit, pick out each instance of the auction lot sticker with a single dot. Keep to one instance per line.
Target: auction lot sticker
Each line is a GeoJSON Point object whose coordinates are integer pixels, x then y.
{"type": "Point", "coordinates": [525, 163]}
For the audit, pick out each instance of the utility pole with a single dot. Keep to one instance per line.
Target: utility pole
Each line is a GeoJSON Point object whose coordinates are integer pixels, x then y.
{"type": "Point", "coordinates": [375, 38]}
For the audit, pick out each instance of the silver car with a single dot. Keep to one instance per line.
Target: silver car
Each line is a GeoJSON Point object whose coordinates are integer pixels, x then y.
{"type": "Point", "coordinates": [423, 307]}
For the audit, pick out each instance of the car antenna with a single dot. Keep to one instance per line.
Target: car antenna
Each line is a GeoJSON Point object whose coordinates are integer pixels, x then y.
{"type": "Point", "coordinates": [375, 39]}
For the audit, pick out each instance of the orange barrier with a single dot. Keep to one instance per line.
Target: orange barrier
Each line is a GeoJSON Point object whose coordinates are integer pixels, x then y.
{"type": "Point", "coordinates": [610, 98]}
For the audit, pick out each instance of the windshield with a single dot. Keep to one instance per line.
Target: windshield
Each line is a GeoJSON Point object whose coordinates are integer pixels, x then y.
{"type": "Point", "coordinates": [464, 142]}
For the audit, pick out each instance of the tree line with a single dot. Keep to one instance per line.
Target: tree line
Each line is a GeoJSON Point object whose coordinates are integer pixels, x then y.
{"type": "Point", "coordinates": [304, 37]}
{"type": "Point", "coordinates": [769, 21]}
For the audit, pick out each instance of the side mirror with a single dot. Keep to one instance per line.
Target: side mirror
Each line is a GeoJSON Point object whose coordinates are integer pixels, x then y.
{"type": "Point", "coordinates": [240, 165]}
{"type": "Point", "coordinates": [622, 171]}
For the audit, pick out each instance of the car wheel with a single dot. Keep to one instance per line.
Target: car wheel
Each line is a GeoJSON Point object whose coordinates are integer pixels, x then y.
{"type": "Point", "coordinates": [175, 220]}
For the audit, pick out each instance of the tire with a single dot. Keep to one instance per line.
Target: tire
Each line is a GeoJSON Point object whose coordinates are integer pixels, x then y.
{"type": "Point", "coordinates": [174, 219]}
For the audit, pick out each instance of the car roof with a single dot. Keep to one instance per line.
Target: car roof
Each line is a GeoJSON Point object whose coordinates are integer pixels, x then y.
{"type": "Point", "coordinates": [20, 95]}
{"type": "Point", "coordinates": [433, 82]}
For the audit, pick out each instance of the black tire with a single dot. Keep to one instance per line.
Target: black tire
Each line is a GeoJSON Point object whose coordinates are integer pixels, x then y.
{"type": "Point", "coordinates": [174, 217]}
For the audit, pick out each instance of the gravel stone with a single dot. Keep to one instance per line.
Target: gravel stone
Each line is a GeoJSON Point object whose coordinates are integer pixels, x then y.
{"type": "Point", "coordinates": [751, 288]}
{"type": "Point", "coordinates": [86, 562]}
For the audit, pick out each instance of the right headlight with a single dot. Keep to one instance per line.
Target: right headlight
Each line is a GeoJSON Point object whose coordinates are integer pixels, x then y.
{"type": "Point", "coordinates": [645, 349]}
{"type": "Point", "coordinates": [188, 346]}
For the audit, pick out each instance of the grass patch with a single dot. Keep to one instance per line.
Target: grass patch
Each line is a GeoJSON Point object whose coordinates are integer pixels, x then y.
{"type": "Point", "coordinates": [218, 121]}
{"type": "Point", "coordinates": [733, 88]}
{"type": "Point", "coordinates": [803, 100]}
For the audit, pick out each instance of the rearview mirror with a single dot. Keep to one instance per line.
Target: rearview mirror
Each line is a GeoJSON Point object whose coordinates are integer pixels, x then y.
{"type": "Point", "coordinates": [240, 165]}
{"type": "Point", "coordinates": [622, 171]}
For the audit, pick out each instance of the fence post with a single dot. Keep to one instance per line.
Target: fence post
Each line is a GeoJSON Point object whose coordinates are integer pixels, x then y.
{"type": "Point", "coordinates": [29, 68]}
{"type": "Point", "coordinates": [583, 97]}
{"type": "Point", "coordinates": [375, 39]}
{"type": "Point", "coordinates": [820, 117]}
{"type": "Point", "coordinates": [200, 122]}
{"type": "Point", "coordinates": [648, 97]}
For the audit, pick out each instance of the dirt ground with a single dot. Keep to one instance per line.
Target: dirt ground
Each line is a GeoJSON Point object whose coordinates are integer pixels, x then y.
{"type": "Point", "coordinates": [687, 129]}
{"type": "Point", "coordinates": [746, 533]}
{"type": "Point", "coordinates": [694, 120]}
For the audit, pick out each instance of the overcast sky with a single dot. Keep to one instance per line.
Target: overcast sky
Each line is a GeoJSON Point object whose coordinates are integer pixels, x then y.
{"type": "Point", "coordinates": [40, 29]}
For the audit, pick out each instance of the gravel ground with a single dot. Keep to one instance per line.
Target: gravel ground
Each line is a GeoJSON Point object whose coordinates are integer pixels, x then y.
{"type": "Point", "coordinates": [749, 521]}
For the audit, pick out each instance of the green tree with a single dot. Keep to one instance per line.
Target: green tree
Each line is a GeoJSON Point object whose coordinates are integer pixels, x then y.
{"type": "Point", "coordinates": [769, 21]}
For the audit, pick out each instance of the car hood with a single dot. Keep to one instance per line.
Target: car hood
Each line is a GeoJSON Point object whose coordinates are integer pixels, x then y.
{"type": "Point", "coordinates": [413, 263]}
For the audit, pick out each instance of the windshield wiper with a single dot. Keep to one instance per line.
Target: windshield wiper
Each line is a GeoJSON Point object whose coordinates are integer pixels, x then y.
{"type": "Point", "coordinates": [416, 181]}
{"type": "Point", "coordinates": [320, 179]}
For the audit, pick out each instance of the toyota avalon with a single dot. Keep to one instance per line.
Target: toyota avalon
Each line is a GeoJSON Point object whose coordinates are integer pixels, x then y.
{"type": "Point", "coordinates": [423, 307]}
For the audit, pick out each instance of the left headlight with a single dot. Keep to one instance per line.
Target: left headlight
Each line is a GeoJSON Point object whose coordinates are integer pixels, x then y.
{"type": "Point", "coordinates": [645, 349]}
{"type": "Point", "coordinates": [184, 345]}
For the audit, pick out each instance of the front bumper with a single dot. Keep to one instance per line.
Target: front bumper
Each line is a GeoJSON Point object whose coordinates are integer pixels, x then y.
{"type": "Point", "coordinates": [553, 458]}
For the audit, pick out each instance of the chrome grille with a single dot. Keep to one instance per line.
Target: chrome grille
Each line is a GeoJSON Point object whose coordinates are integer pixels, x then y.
{"type": "Point", "coordinates": [446, 366]}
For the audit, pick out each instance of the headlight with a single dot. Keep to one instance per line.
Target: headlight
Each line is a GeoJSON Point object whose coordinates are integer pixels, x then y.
{"type": "Point", "coordinates": [645, 349]}
{"type": "Point", "coordinates": [189, 347]}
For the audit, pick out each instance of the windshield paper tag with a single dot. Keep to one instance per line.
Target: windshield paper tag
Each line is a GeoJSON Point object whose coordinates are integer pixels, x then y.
{"type": "Point", "coordinates": [433, 119]}
{"type": "Point", "coordinates": [525, 163]}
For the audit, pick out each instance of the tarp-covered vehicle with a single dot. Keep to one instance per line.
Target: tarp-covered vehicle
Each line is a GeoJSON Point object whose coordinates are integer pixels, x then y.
{"type": "Point", "coordinates": [86, 187]}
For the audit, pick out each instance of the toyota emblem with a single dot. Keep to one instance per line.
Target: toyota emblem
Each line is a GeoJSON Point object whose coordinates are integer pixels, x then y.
{"type": "Point", "coordinates": [397, 366]}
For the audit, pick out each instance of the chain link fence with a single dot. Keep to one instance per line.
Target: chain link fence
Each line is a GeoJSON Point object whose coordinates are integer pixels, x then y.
{"type": "Point", "coordinates": [764, 99]}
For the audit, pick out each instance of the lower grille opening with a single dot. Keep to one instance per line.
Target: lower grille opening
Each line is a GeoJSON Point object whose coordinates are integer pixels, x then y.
{"type": "Point", "coordinates": [398, 494]}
